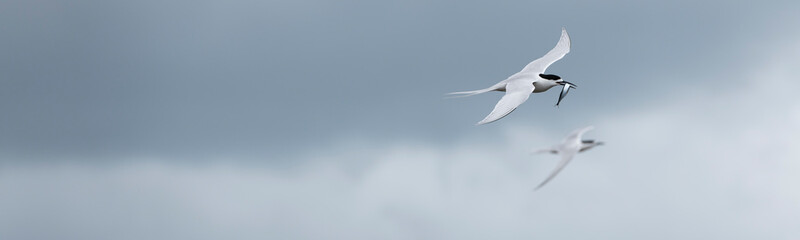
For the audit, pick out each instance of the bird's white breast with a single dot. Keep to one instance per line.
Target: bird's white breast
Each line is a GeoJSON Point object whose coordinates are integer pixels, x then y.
{"type": "Point", "coordinates": [543, 85]}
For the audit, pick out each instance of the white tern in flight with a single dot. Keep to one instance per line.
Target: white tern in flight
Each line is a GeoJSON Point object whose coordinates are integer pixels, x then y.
{"type": "Point", "coordinates": [531, 79]}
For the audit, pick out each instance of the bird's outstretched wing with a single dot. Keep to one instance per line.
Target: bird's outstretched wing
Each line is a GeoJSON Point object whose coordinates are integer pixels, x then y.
{"type": "Point", "coordinates": [516, 93]}
{"type": "Point", "coordinates": [566, 157]}
{"type": "Point", "coordinates": [552, 150]}
{"type": "Point", "coordinates": [558, 52]}
{"type": "Point", "coordinates": [575, 136]}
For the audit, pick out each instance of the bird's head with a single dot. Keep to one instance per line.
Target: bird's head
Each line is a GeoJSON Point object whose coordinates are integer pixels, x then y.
{"type": "Point", "coordinates": [557, 79]}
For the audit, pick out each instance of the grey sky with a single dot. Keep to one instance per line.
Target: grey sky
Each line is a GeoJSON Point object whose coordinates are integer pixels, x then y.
{"type": "Point", "coordinates": [200, 78]}
{"type": "Point", "coordinates": [325, 119]}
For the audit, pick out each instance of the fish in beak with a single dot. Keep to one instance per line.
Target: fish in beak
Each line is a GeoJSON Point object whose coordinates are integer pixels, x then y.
{"type": "Point", "coordinates": [564, 90]}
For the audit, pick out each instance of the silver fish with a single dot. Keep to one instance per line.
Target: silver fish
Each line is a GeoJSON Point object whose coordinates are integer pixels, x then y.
{"type": "Point", "coordinates": [564, 92]}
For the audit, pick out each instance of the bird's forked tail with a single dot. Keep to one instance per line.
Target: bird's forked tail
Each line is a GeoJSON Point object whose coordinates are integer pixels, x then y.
{"type": "Point", "coordinates": [468, 93]}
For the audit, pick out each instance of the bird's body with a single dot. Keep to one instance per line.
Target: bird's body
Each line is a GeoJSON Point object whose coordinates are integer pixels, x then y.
{"type": "Point", "coordinates": [531, 79]}
{"type": "Point", "coordinates": [543, 85]}
{"type": "Point", "coordinates": [540, 85]}
{"type": "Point", "coordinates": [570, 146]}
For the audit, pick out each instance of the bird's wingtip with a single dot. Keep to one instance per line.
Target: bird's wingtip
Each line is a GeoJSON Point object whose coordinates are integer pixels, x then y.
{"type": "Point", "coordinates": [451, 96]}
{"type": "Point", "coordinates": [485, 121]}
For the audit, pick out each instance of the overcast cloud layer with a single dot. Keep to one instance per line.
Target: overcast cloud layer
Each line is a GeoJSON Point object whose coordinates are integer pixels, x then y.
{"type": "Point", "coordinates": [668, 172]}
{"type": "Point", "coordinates": [325, 120]}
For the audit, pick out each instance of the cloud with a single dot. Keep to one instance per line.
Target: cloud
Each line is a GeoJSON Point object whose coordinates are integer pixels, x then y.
{"type": "Point", "coordinates": [708, 164]}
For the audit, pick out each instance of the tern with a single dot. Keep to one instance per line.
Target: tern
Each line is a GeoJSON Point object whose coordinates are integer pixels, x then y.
{"type": "Point", "coordinates": [570, 146]}
{"type": "Point", "coordinates": [531, 79]}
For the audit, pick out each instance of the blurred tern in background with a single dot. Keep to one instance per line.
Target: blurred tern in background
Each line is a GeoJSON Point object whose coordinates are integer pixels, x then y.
{"type": "Point", "coordinates": [570, 146]}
